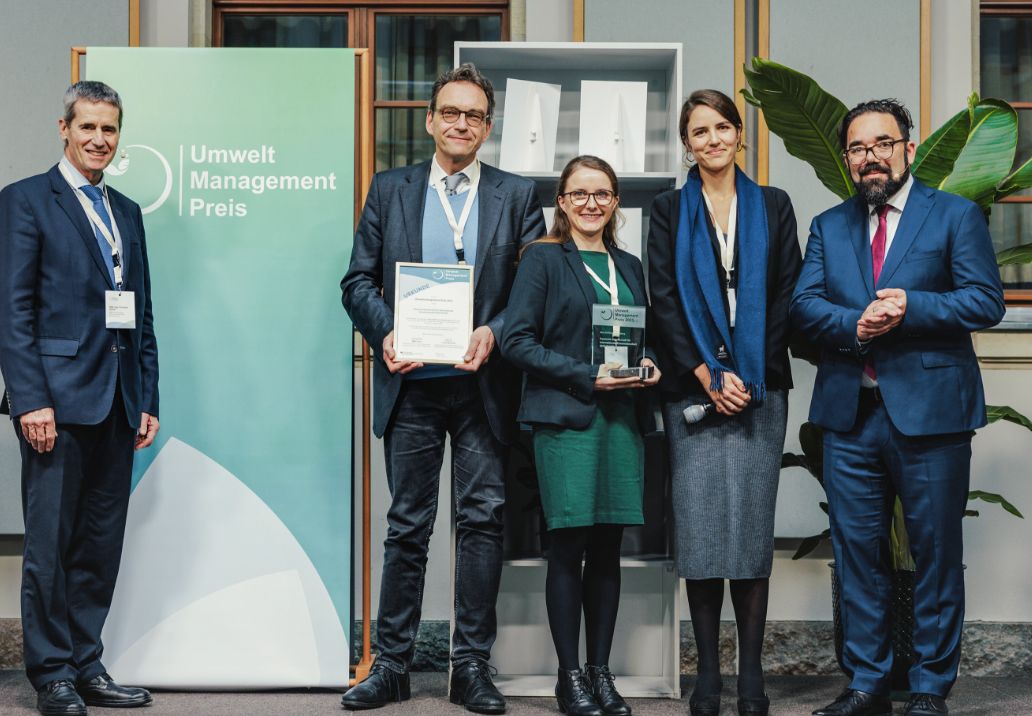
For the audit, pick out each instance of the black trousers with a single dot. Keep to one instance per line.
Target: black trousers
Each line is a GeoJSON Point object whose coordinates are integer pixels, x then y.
{"type": "Point", "coordinates": [428, 412]}
{"type": "Point", "coordinates": [74, 500]}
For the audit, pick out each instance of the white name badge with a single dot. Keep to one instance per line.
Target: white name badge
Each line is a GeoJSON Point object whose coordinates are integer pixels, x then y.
{"type": "Point", "coordinates": [120, 309]}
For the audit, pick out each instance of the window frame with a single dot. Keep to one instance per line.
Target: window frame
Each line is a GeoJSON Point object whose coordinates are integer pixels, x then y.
{"type": "Point", "coordinates": [362, 16]}
{"type": "Point", "coordinates": [1011, 8]}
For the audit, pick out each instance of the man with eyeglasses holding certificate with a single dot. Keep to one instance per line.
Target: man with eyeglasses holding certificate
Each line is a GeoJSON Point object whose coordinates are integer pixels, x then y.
{"type": "Point", "coordinates": [456, 211]}
{"type": "Point", "coordinates": [894, 281]}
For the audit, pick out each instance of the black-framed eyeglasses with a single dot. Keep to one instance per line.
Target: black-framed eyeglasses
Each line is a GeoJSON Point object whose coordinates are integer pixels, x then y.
{"type": "Point", "coordinates": [883, 149]}
{"type": "Point", "coordinates": [579, 197]}
{"type": "Point", "coordinates": [474, 117]}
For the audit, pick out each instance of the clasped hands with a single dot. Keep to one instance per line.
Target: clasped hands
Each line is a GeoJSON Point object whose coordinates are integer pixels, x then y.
{"type": "Point", "coordinates": [732, 398]}
{"type": "Point", "coordinates": [883, 314]}
{"type": "Point", "coordinates": [481, 343]}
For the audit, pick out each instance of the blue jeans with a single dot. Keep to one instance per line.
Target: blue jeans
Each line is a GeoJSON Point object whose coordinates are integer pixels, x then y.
{"type": "Point", "coordinates": [427, 411]}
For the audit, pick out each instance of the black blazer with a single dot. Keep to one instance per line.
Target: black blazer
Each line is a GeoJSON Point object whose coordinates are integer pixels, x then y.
{"type": "Point", "coordinates": [548, 332]}
{"type": "Point", "coordinates": [673, 342]}
{"type": "Point", "coordinates": [391, 230]}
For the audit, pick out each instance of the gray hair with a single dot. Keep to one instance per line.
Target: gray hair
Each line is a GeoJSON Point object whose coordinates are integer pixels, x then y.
{"type": "Point", "coordinates": [91, 92]}
{"type": "Point", "coordinates": [466, 72]}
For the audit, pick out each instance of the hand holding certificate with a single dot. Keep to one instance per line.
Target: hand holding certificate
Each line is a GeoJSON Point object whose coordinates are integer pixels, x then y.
{"type": "Point", "coordinates": [433, 312]}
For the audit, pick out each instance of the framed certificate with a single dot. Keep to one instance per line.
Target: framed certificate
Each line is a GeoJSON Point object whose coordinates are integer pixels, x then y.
{"type": "Point", "coordinates": [433, 312]}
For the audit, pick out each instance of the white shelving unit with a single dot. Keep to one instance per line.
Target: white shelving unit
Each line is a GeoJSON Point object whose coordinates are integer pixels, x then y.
{"type": "Point", "coordinates": [567, 64]}
{"type": "Point", "coordinates": [646, 647]}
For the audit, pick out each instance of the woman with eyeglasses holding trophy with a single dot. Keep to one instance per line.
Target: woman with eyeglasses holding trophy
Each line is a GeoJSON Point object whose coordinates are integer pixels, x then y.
{"type": "Point", "coordinates": [575, 325]}
{"type": "Point", "coordinates": [723, 260]}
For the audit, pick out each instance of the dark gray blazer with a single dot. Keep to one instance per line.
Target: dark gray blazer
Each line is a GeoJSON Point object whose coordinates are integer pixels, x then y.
{"type": "Point", "coordinates": [548, 332]}
{"type": "Point", "coordinates": [391, 230]}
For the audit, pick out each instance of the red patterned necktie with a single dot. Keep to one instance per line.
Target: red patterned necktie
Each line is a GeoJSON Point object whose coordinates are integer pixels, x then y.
{"type": "Point", "coordinates": [877, 260]}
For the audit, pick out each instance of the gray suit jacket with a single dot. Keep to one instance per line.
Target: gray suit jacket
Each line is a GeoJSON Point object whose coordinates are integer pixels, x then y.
{"type": "Point", "coordinates": [391, 230]}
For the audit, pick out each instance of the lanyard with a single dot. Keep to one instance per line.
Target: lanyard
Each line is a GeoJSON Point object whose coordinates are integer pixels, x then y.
{"type": "Point", "coordinates": [727, 249]}
{"type": "Point", "coordinates": [98, 223]}
{"type": "Point", "coordinates": [611, 286]}
{"type": "Point", "coordinates": [727, 243]}
{"type": "Point", "coordinates": [459, 226]}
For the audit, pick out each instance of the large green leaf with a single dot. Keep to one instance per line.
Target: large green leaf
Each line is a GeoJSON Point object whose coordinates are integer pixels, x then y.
{"type": "Point", "coordinates": [1006, 412]}
{"type": "Point", "coordinates": [1015, 255]}
{"type": "Point", "coordinates": [1020, 178]}
{"type": "Point", "coordinates": [937, 154]}
{"type": "Point", "coordinates": [987, 156]}
{"type": "Point", "coordinates": [806, 118]}
{"type": "Point", "coordinates": [995, 499]}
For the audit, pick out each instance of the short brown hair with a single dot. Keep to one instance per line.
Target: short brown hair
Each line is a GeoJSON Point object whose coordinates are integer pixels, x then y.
{"type": "Point", "coordinates": [715, 100]}
{"type": "Point", "coordinates": [466, 72]}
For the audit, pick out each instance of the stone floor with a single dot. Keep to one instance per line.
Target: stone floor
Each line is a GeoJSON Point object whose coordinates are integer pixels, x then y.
{"type": "Point", "coordinates": [982, 696]}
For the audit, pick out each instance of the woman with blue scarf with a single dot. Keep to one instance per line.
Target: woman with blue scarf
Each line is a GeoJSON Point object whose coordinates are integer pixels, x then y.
{"type": "Point", "coordinates": [723, 260]}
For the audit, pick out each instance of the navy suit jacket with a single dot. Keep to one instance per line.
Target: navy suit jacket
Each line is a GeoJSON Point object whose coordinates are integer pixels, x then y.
{"type": "Point", "coordinates": [55, 350]}
{"type": "Point", "coordinates": [391, 230]}
{"type": "Point", "coordinates": [548, 332]}
{"type": "Point", "coordinates": [942, 256]}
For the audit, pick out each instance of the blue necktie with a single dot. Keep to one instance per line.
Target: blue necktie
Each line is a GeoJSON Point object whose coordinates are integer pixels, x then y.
{"type": "Point", "coordinates": [97, 197]}
{"type": "Point", "coordinates": [453, 183]}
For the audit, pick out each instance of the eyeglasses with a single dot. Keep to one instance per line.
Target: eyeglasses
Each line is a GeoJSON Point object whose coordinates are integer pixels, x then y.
{"type": "Point", "coordinates": [857, 155]}
{"type": "Point", "coordinates": [474, 118]}
{"type": "Point", "coordinates": [603, 197]}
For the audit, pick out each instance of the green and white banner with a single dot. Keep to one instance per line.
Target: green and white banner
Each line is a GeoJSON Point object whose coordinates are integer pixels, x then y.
{"type": "Point", "coordinates": [236, 568]}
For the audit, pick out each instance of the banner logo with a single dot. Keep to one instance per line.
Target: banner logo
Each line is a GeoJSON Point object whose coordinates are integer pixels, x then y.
{"type": "Point", "coordinates": [123, 166]}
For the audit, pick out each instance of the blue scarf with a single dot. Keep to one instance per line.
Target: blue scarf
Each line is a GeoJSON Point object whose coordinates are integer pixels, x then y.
{"type": "Point", "coordinates": [701, 294]}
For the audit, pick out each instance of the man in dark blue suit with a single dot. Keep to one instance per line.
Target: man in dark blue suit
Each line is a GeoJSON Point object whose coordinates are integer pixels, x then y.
{"type": "Point", "coordinates": [894, 281]}
{"type": "Point", "coordinates": [451, 209]}
{"type": "Point", "coordinates": [80, 364]}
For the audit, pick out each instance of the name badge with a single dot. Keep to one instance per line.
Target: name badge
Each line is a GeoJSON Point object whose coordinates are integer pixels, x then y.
{"type": "Point", "coordinates": [120, 309]}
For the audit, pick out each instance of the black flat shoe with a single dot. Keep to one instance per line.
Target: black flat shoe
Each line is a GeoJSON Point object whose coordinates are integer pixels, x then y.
{"type": "Point", "coordinates": [59, 698]}
{"type": "Point", "coordinates": [104, 692]}
{"type": "Point", "coordinates": [471, 686]}
{"type": "Point", "coordinates": [381, 687]}
{"type": "Point", "coordinates": [573, 694]}
{"type": "Point", "coordinates": [926, 705]}
{"type": "Point", "coordinates": [753, 705]}
{"type": "Point", "coordinates": [857, 703]}
{"type": "Point", "coordinates": [600, 680]}
{"type": "Point", "coordinates": [708, 705]}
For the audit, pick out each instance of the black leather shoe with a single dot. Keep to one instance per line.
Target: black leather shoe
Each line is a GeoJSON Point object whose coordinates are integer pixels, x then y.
{"type": "Point", "coordinates": [857, 703]}
{"type": "Point", "coordinates": [103, 691]}
{"type": "Point", "coordinates": [708, 705]}
{"type": "Point", "coordinates": [471, 686]}
{"type": "Point", "coordinates": [926, 705]}
{"type": "Point", "coordinates": [753, 705]}
{"type": "Point", "coordinates": [381, 687]}
{"type": "Point", "coordinates": [573, 694]}
{"type": "Point", "coordinates": [59, 698]}
{"type": "Point", "coordinates": [600, 680]}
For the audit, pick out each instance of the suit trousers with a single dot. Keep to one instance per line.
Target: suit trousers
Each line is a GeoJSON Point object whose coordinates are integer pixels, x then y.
{"type": "Point", "coordinates": [865, 469]}
{"type": "Point", "coordinates": [74, 500]}
{"type": "Point", "coordinates": [427, 411]}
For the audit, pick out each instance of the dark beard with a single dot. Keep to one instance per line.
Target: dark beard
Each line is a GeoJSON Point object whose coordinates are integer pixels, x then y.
{"type": "Point", "coordinates": [876, 193]}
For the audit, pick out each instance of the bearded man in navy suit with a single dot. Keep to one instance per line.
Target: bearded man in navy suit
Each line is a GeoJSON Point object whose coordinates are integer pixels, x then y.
{"type": "Point", "coordinates": [894, 281]}
{"type": "Point", "coordinates": [410, 215]}
{"type": "Point", "coordinates": [80, 365]}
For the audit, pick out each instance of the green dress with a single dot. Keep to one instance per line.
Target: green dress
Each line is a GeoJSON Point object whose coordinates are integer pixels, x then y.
{"type": "Point", "coordinates": [595, 475]}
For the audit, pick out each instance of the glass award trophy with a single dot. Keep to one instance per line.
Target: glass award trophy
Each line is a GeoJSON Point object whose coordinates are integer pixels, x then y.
{"type": "Point", "coordinates": [618, 340]}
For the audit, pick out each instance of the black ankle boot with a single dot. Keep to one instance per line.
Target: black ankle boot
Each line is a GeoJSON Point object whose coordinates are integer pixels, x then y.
{"type": "Point", "coordinates": [704, 704]}
{"type": "Point", "coordinates": [600, 679]}
{"type": "Point", "coordinates": [574, 695]}
{"type": "Point", "coordinates": [753, 705]}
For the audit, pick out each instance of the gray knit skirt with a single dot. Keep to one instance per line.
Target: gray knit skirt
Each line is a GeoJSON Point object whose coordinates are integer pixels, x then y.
{"type": "Point", "coordinates": [724, 475]}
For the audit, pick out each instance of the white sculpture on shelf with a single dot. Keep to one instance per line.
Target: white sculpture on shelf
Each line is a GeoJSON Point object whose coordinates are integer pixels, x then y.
{"type": "Point", "coordinates": [612, 123]}
{"type": "Point", "coordinates": [530, 123]}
